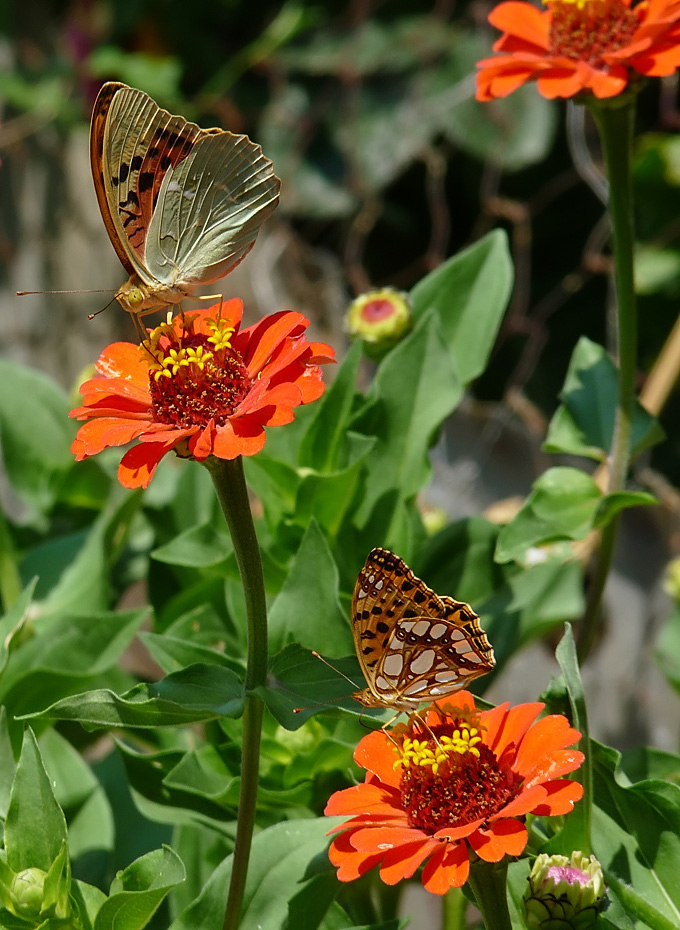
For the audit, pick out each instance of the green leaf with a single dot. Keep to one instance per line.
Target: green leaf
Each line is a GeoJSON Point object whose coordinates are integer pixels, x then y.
{"type": "Point", "coordinates": [328, 497]}
{"type": "Point", "coordinates": [12, 631]}
{"type": "Point", "coordinates": [7, 764]}
{"type": "Point", "coordinates": [562, 505]}
{"type": "Point", "coordinates": [307, 609]}
{"type": "Point", "coordinates": [469, 293]}
{"type": "Point", "coordinates": [415, 389]}
{"type": "Point", "coordinates": [35, 434]}
{"type": "Point", "coordinates": [35, 829]}
{"type": "Point", "coordinates": [667, 651]}
{"type": "Point", "coordinates": [278, 864]}
{"type": "Point", "coordinates": [584, 424]}
{"type": "Point", "coordinates": [137, 891]}
{"type": "Point", "coordinates": [459, 560]}
{"type": "Point", "coordinates": [325, 435]}
{"type": "Point", "coordinates": [577, 832]}
{"type": "Point", "coordinates": [202, 546]}
{"type": "Point", "coordinates": [546, 595]}
{"type": "Point", "coordinates": [80, 796]}
{"type": "Point", "coordinates": [173, 654]}
{"type": "Point", "coordinates": [199, 692]}
{"type": "Point", "coordinates": [636, 837]}
{"type": "Point", "coordinates": [298, 679]}
{"type": "Point", "coordinates": [612, 504]}
{"type": "Point", "coordinates": [62, 657]}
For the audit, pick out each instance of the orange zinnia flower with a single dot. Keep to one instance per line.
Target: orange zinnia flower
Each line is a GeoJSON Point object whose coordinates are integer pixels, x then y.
{"type": "Point", "coordinates": [201, 386]}
{"type": "Point", "coordinates": [580, 45]}
{"type": "Point", "coordinates": [467, 778]}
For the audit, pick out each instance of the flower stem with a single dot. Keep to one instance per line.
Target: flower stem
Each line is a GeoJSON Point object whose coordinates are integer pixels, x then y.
{"type": "Point", "coordinates": [488, 882]}
{"type": "Point", "coordinates": [615, 124]}
{"type": "Point", "coordinates": [230, 485]}
{"type": "Point", "coordinates": [454, 906]}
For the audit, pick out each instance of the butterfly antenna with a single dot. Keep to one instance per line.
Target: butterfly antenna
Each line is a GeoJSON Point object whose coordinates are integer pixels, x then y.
{"type": "Point", "coordinates": [105, 290]}
{"type": "Point", "coordinates": [333, 668]}
{"type": "Point", "coordinates": [91, 316]}
{"type": "Point", "coordinates": [298, 710]}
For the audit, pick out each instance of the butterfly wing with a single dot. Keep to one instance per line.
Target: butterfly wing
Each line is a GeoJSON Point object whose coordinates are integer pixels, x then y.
{"type": "Point", "coordinates": [133, 144]}
{"type": "Point", "coordinates": [210, 209]}
{"type": "Point", "coordinates": [413, 646]}
{"type": "Point", "coordinates": [181, 204]}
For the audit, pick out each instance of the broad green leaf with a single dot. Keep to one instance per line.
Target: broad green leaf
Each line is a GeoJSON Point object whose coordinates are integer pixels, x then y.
{"type": "Point", "coordinates": [325, 435]}
{"type": "Point", "coordinates": [327, 497]}
{"type": "Point", "coordinates": [584, 424]}
{"type": "Point", "coordinates": [172, 654]}
{"type": "Point", "coordinates": [12, 632]}
{"type": "Point", "coordinates": [35, 434]}
{"type": "Point", "coordinates": [35, 828]}
{"type": "Point", "coordinates": [199, 692]}
{"type": "Point", "coordinates": [202, 546]}
{"type": "Point", "coordinates": [276, 484]}
{"type": "Point", "coordinates": [416, 388]}
{"type": "Point", "coordinates": [137, 891]}
{"type": "Point", "coordinates": [469, 293]}
{"type": "Point", "coordinates": [546, 595]}
{"type": "Point", "coordinates": [88, 899]}
{"type": "Point", "coordinates": [80, 796]}
{"type": "Point", "coordinates": [306, 609]}
{"type": "Point", "coordinates": [612, 504]}
{"type": "Point", "coordinates": [577, 832]}
{"type": "Point", "coordinates": [60, 659]}
{"type": "Point", "coordinates": [297, 679]}
{"type": "Point", "coordinates": [278, 864]}
{"type": "Point", "coordinates": [7, 764]}
{"type": "Point", "coordinates": [80, 565]}
{"type": "Point", "coordinates": [562, 505]}
{"type": "Point", "coordinates": [636, 837]}
{"type": "Point", "coordinates": [459, 561]}
{"type": "Point", "coordinates": [146, 774]}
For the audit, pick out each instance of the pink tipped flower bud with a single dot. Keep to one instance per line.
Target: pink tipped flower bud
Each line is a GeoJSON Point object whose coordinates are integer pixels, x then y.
{"type": "Point", "coordinates": [564, 893]}
{"type": "Point", "coordinates": [381, 318]}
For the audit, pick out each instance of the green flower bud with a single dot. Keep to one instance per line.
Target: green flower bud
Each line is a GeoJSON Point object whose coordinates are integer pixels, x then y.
{"type": "Point", "coordinates": [564, 894]}
{"type": "Point", "coordinates": [26, 892]}
{"type": "Point", "coordinates": [381, 318]}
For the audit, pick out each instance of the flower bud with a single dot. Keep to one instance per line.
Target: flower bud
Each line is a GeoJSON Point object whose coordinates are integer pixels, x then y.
{"type": "Point", "coordinates": [26, 892]}
{"type": "Point", "coordinates": [564, 894]}
{"type": "Point", "coordinates": [381, 318]}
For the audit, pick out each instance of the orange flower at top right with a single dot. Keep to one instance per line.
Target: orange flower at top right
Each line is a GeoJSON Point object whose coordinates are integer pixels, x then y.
{"type": "Point", "coordinates": [575, 46]}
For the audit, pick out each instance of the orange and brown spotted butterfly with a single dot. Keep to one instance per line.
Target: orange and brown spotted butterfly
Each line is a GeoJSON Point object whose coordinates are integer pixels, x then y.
{"type": "Point", "coordinates": [414, 646]}
{"type": "Point", "coordinates": [182, 205]}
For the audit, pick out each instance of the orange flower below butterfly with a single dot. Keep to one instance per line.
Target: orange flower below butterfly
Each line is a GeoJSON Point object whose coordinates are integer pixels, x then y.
{"type": "Point", "coordinates": [470, 788]}
{"type": "Point", "coordinates": [597, 46]}
{"type": "Point", "coordinates": [201, 386]}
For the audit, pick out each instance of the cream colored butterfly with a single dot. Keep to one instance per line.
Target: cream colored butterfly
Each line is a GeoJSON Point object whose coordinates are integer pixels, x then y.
{"type": "Point", "coordinates": [182, 205]}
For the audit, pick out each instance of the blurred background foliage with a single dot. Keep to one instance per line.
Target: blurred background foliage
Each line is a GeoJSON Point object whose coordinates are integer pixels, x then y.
{"type": "Point", "coordinates": [367, 110]}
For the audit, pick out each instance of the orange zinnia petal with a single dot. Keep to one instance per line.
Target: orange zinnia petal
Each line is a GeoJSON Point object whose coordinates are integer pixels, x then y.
{"type": "Point", "coordinates": [447, 869]}
{"type": "Point", "coordinates": [458, 833]}
{"type": "Point", "coordinates": [502, 838]}
{"type": "Point", "coordinates": [139, 463]}
{"type": "Point", "coordinates": [265, 336]}
{"type": "Point", "coordinates": [524, 21]}
{"type": "Point", "coordinates": [375, 839]}
{"type": "Point", "coordinates": [350, 864]}
{"type": "Point", "coordinates": [562, 82]}
{"type": "Point", "coordinates": [96, 435]}
{"type": "Point", "coordinates": [544, 737]}
{"type": "Point", "coordinates": [375, 753]}
{"type": "Point", "coordinates": [506, 725]}
{"type": "Point", "coordinates": [238, 437]}
{"type": "Point", "coordinates": [562, 795]}
{"type": "Point", "coordinates": [124, 360]}
{"type": "Point", "coordinates": [524, 804]}
{"type": "Point", "coordinates": [401, 863]}
{"type": "Point", "coordinates": [362, 799]}
{"type": "Point", "coordinates": [559, 763]}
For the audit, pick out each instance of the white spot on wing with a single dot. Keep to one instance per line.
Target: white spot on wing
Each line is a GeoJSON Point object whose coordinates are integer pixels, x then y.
{"type": "Point", "coordinates": [393, 664]}
{"type": "Point", "coordinates": [421, 627]}
{"type": "Point", "coordinates": [423, 662]}
{"type": "Point", "coordinates": [437, 630]}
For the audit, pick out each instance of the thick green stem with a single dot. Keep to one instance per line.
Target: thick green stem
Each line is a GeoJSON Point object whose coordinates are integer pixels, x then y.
{"type": "Point", "coordinates": [615, 123]}
{"type": "Point", "coordinates": [232, 494]}
{"type": "Point", "coordinates": [488, 882]}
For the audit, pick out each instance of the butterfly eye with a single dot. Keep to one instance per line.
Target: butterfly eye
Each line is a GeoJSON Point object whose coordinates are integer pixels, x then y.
{"type": "Point", "coordinates": [134, 297]}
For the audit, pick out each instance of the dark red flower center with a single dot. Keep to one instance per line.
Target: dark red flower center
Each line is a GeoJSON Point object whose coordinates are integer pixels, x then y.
{"type": "Point", "coordinates": [588, 30]}
{"type": "Point", "coordinates": [195, 377]}
{"type": "Point", "coordinates": [451, 778]}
